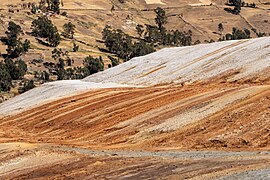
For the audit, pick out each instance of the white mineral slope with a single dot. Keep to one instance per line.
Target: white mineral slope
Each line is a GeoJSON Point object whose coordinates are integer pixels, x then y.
{"type": "Point", "coordinates": [170, 65]}
{"type": "Point", "coordinates": [49, 92]}
{"type": "Point", "coordinates": [194, 63]}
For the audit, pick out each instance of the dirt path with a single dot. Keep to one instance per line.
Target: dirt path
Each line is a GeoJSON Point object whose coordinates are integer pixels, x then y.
{"type": "Point", "coordinates": [27, 161]}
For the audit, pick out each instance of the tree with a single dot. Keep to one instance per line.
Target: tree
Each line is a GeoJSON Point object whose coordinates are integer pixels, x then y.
{"type": "Point", "coordinates": [17, 69]}
{"type": "Point", "coordinates": [117, 42]}
{"type": "Point", "coordinates": [141, 48]}
{"type": "Point", "coordinates": [44, 28]}
{"type": "Point", "coordinates": [27, 86]}
{"type": "Point", "coordinates": [152, 34]}
{"type": "Point", "coordinates": [53, 5]}
{"type": "Point", "coordinates": [75, 47]}
{"type": "Point", "coordinates": [220, 28]}
{"type": "Point", "coordinates": [93, 65]}
{"type": "Point", "coordinates": [237, 6]}
{"type": "Point", "coordinates": [69, 30]}
{"type": "Point", "coordinates": [15, 46]}
{"type": "Point", "coordinates": [238, 34]}
{"type": "Point", "coordinates": [33, 9]}
{"type": "Point", "coordinates": [61, 74]}
{"type": "Point", "coordinates": [114, 61]}
{"type": "Point", "coordinates": [5, 78]}
{"type": "Point", "coordinates": [140, 30]}
{"type": "Point", "coordinates": [61, 57]}
{"type": "Point", "coordinates": [122, 45]}
{"type": "Point", "coordinates": [14, 30]}
{"type": "Point", "coordinates": [161, 18]}
{"type": "Point", "coordinates": [11, 70]}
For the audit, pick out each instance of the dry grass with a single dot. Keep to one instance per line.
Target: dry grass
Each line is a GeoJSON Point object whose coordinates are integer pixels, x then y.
{"type": "Point", "coordinates": [90, 17]}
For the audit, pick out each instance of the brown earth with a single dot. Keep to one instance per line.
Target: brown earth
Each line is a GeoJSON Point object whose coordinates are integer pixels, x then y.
{"type": "Point", "coordinates": [219, 116]}
{"type": "Point", "coordinates": [136, 124]}
{"type": "Point", "coordinates": [39, 161]}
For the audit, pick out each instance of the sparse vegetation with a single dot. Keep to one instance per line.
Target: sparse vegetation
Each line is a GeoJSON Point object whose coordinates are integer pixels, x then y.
{"type": "Point", "coordinates": [125, 47]}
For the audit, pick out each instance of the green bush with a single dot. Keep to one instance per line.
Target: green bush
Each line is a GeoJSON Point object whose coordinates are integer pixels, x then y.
{"type": "Point", "coordinates": [27, 86]}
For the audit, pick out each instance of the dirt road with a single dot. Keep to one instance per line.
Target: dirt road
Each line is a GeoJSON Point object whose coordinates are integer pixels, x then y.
{"type": "Point", "coordinates": [24, 161]}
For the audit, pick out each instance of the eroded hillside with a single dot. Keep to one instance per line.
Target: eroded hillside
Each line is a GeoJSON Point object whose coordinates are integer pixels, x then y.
{"type": "Point", "coordinates": [195, 117]}
{"type": "Point", "coordinates": [212, 123]}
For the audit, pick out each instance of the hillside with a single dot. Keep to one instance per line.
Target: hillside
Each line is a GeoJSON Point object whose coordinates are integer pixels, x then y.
{"type": "Point", "coordinates": [231, 61]}
{"type": "Point", "coordinates": [90, 17]}
{"type": "Point", "coordinates": [243, 62]}
{"type": "Point", "coordinates": [198, 112]}
{"type": "Point", "coordinates": [188, 22]}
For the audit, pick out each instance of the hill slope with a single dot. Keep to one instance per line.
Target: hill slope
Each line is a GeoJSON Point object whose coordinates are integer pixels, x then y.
{"type": "Point", "coordinates": [104, 130]}
{"type": "Point", "coordinates": [230, 61]}
{"type": "Point", "coordinates": [234, 60]}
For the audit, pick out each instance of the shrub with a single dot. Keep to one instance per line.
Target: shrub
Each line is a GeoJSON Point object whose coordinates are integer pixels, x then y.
{"type": "Point", "coordinates": [27, 86]}
{"type": "Point", "coordinates": [69, 30]}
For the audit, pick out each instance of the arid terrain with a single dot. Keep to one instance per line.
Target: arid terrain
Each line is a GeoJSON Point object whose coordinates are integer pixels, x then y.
{"type": "Point", "coordinates": [91, 16]}
{"type": "Point", "coordinates": [200, 112]}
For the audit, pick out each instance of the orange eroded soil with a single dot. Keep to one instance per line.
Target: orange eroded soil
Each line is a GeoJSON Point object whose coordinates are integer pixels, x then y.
{"type": "Point", "coordinates": [191, 117]}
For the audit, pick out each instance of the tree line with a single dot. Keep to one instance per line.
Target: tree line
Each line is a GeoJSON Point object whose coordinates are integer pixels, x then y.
{"type": "Point", "coordinates": [149, 38]}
